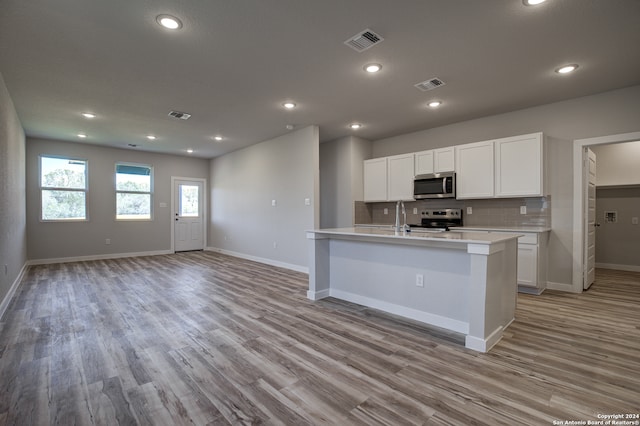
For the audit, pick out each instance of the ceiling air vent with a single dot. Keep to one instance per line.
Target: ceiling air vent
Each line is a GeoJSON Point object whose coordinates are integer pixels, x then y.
{"type": "Point", "coordinates": [180, 115]}
{"type": "Point", "coordinates": [363, 40]}
{"type": "Point", "coordinates": [430, 84]}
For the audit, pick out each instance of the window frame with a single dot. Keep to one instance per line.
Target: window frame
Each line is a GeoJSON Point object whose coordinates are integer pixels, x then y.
{"type": "Point", "coordinates": [150, 192]}
{"type": "Point", "coordinates": [55, 188]}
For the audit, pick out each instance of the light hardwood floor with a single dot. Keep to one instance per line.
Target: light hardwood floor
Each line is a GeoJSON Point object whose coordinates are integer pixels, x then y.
{"type": "Point", "coordinates": [203, 338]}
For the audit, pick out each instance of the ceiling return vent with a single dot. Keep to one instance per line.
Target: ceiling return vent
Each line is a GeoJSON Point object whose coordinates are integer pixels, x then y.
{"type": "Point", "coordinates": [179, 115]}
{"type": "Point", "coordinates": [430, 84]}
{"type": "Point", "coordinates": [364, 40]}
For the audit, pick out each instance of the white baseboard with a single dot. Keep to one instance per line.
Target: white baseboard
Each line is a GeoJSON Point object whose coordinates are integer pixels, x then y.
{"type": "Point", "coordinates": [632, 268]}
{"type": "Point", "coordinates": [317, 295]}
{"type": "Point", "coordinates": [12, 290]}
{"type": "Point", "coordinates": [264, 260]}
{"type": "Point", "coordinates": [414, 314]}
{"type": "Point", "coordinates": [561, 287]}
{"type": "Point", "coordinates": [96, 257]}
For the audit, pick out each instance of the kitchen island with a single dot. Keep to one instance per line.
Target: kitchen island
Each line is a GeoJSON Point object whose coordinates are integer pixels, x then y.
{"type": "Point", "coordinates": [461, 281]}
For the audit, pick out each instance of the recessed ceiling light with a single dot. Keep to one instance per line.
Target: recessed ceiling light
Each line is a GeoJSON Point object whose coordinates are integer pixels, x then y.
{"type": "Point", "coordinates": [372, 68]}
{"type": "Point", "coordinates": [88, 115]}
{"type": "Point", "coordinates": [566, 69]}
{"type": "Point", "coordinates": [435, 104]}
{"type": "Point", "coordinates": [218, 138]}
{"type": "Point", "coordinates": [355, 126]}
{"type": "Point", "coordinates": [82, 135]}
{"type": "Point", "coordinates": [151, 137]}
{"type": "Point", "coordinates": [169, 22]}
{"type": "Point", "coordinates": [190, 151]}
{"type": "Point", "coordinates": [532, 2]}
{"type": "Point", "coordinates": [289, 105]}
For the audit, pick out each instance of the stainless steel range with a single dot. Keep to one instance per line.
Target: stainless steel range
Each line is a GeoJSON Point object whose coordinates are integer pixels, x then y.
{"type": "Point", "coordinates": [440, 219]}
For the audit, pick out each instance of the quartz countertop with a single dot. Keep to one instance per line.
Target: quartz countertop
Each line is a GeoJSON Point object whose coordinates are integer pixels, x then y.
{"type": "Point", "coordinates": [423, 234]}
{"type": "Point", "coordinates": [516, 229]}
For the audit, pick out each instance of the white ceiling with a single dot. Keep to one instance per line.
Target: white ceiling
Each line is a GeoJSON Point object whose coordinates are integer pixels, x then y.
{"type": "Point", "coordinates": [235, 61]}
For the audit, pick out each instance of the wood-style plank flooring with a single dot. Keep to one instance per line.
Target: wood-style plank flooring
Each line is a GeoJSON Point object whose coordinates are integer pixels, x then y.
{"type": "Point", "coordinates": [202, 338]}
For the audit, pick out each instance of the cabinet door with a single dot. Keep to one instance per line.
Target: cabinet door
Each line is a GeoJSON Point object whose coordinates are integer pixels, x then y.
{"type": "Point", "coordinates": [528, 265]}
{"type": "Point", "coordinates": [475, 170]}
{"type": "Point", "coordinates": [444, 160]}
{"type": "Point", "coordinates": [400, 177]}
{"type": "Point", "coordinates": [519, 166]}
{"type": "Point", "coordinates": [424, 162]}
{"type": "Point", "coordinates": [375, 179]}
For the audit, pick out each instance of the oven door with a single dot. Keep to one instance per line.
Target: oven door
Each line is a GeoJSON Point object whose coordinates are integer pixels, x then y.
{"type": "Point", "coordinates": [437, 185]}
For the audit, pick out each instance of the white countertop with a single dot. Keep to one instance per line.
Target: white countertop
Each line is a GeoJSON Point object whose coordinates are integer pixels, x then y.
{"type": "Point", "coordinates": [516, 229]}
{"type": "Point", "coordinates": [419, 235]}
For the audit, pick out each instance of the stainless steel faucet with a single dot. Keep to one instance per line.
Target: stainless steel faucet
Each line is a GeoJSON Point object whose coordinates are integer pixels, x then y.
{"type": "Point", "coordinates": [397, 226]}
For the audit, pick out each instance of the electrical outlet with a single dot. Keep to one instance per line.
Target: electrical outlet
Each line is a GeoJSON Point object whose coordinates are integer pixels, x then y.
{"type": "Point", "coordinates": [386, 211]}
{"type": "Point", "coordinates": [634, 220]}
{"type": "Point", "coordinates": [107, 241]}
{"type": "Point", "coordinates": [273, 203]}
{"type": "Point", "coordinates": [419, 280]}
{"type": "Point", "coordinates": [523, 209]}
{"type": "Point", "coordinates": [307, 201]}
{"type": "Point", "coordinates": [6, 269]}
{"type": "Point", "coordinates": [275, 245]}
{"type": "Point", "coordinates": [415, 210]}
{"type": "Point", "coordinates": [469, 210]}
{"type": "Point", "coordinates": [226, 238]}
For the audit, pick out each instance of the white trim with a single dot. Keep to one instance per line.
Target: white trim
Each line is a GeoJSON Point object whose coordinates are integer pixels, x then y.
{"type": "Point", "coordinates": [567, 287]}
{"type": "Point", "coordinates": [174, 209]}
{"type": "Point", "coordinates": [96, 257]}
{"type": "Point", "coordinates": [264, 260]}
{"type": "Point", "coordinates": [414, 314]}
{"type": "Point", "coordinates": [12, 290]}
{"type": "Point", "coordinates": [317, 295]}
{"type": "Point", "coordinates": [578, 199]}
{"type": "Point", "coordinates": [632, 268]}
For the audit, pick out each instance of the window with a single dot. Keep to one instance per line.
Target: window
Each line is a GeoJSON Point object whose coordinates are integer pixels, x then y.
{"type": "Point", "coordinates": [134, 188]}
{"type": "Point", "coordinates": [63, 189]}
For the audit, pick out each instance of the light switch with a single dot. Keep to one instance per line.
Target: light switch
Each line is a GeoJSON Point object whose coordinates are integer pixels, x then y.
{"type": "Point", "coordinates": [307, 201]}
{"type": "Point", "coordinates": [634, 220]}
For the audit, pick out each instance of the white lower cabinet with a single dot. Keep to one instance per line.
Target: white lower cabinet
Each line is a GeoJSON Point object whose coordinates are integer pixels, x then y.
{"type": "Point", "coordinates": [532, 262]}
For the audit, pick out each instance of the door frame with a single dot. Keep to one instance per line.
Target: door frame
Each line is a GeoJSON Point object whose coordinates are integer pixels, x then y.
{"type": "Point", "coordinates": [579, 187]}
{"type": "Point", "coordinates": [174, 208]}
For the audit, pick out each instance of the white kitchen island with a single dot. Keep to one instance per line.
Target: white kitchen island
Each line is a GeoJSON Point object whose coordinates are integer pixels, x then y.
{"type": "Point", "coordinates": [462, 281]}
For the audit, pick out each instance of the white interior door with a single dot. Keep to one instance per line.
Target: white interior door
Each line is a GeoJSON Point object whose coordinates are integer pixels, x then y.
{"type": "Point", "coordinates": [590, 223]}
{"type": "Point", "coordinates": [189, 216]}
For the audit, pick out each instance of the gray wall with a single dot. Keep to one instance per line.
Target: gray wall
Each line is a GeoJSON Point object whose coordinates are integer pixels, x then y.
{"type": "Point", "coordinates": [13, 228]}
{"type": "Point", "coordinates": [47, 240]}
{"type": "Point", "coordinates": [617, 164]}
{"type": "Point", "coordinates": [618, 244]}
{"type": "Point", "coordinates": [341, 179]}
{"type": "Point", "coordinates": [243, 184]}
{"type": "Point", "coordinates": [603, 114]}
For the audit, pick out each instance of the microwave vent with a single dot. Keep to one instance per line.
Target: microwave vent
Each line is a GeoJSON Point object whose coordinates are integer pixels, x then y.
{"type": "Point", "coordinates": [364, 40]}
{"type": "Point", "coordinates": [430, 84]}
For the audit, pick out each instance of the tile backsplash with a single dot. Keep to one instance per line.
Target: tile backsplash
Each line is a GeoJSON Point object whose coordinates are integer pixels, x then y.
{"type": "Point", "coordinates": [490, 212]}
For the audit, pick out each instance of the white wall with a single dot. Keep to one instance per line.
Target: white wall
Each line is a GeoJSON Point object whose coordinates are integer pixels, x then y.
{"type": "Point", "coordinates": [603, 114]}
{"type": "Point", "coordinates": [13, 228]}
{"type": "Point", "coordinates": [618, 244]}
{"type": "Point", "coordinates": [53, 240]}
{"type": "Point", "coordinates": [243, 185]}
{"type": "Point", "coordinates": [341, 179]}
{"type": "Point", "coordinates": [618, 164]}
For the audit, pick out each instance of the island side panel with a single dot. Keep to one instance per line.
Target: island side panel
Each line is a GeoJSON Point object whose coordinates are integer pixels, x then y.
{"type": "Point", "coordinates": [319, 266]}
{"type": "Point", "coordinates": [383, 276]}
{"type": "Point", "coordinates": [493, 293]}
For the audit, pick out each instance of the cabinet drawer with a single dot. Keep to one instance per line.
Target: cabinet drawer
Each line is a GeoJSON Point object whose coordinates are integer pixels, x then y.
{"type": "Point", "coordinates": [528, 239]}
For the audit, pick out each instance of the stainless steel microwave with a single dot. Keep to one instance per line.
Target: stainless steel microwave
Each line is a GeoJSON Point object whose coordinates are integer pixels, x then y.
{"type": "Point", "coordinates": [434, 185]}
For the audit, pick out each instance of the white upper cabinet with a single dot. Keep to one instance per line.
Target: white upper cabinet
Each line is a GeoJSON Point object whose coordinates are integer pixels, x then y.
{"type": "Point", "coordinates": [444, 160]}
{"type": "Point", "coordinates": [400, 174]}
{"type": "Point", "coordinates": [375, 179]}
{"type": "Point", "coordinates": [435, 161]}
{"type": "Point", "coordinates": [475, 170]}
{"type": "Point", "coordinates": [424, 162]}
{"type": "Point", "coordinates": [519, 166]}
